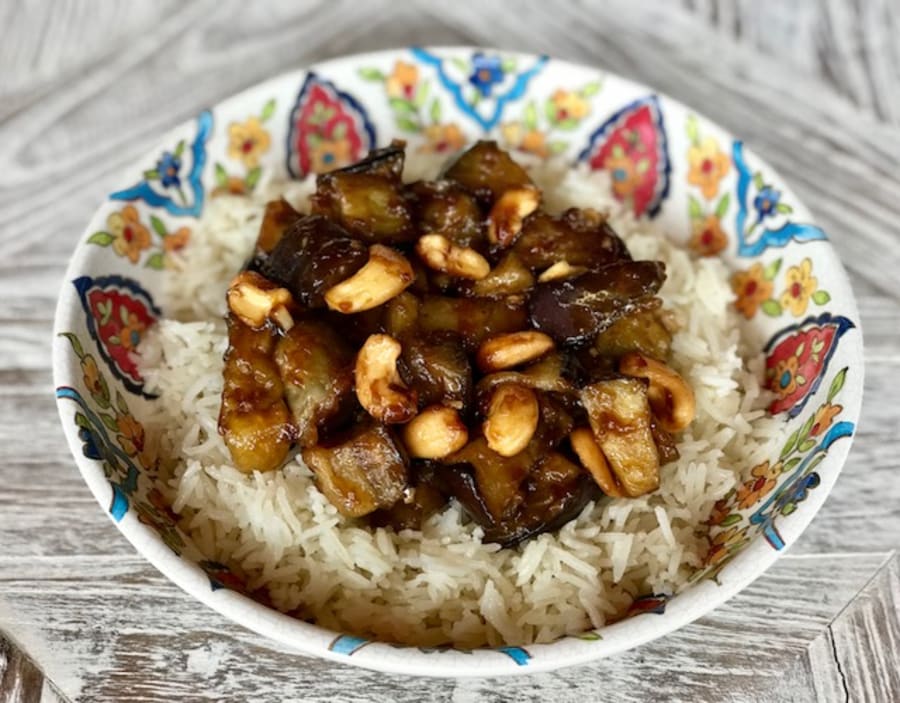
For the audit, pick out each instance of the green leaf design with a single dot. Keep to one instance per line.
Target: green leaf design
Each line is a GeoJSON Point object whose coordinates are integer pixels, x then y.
{"type": "Point", "coordinates": [253, 177]}
{"type": "Point", "coordinates": [105, 310]}
{"type": "Point", "coordinates": [407, 124]}
{"type": "Point", "coordinates": [731, 520]}
{"type": "Point", "coordinates": [401, 106]}
{"type": "Point", "coordinates": [617, 151]}
{"type": "Point", "coordinates": [314, 139]}
{"type": "Point", "coordinates": [772, 308]}
{"type": "Point", "coordinates": [121, 404]}
{"type": "Point", "coordinates": [156, 261]}
{"type": "Point", "coordinates": [82, 421]}
{"type": "Point", "coordinates": [695, 209]}
{"type": "Point", "coordinates": [158, 226]}
{"type": "Point", "coordinates": [591, 636]}
{"type": "Point", "coordinates": [557, 146]}
{"type": "Point", "coordinates": [339, 131]}
{"type": "Point", "coordinates": [807, 426]}
{"type": "Point", "coordinates": [371, 74]}
{"type": "Point", "coordinates": [435, 112]}
{"type": "Point", "coordinates": [422, 94]}
{"type": "Point", "coordinates": [784, 208]}
{"type": "Point", "coordinates": [508, 65]}
{"type": "Point", "coordinates": [722, 207]}
{"type": "Point", "coordinates": [103, 239]}
{"type": "Point", "coordinates": [529, 116]}
{"type": "Point", "coordinates": [790, 464]}
{"type": "Point", "coordinates": [460, 64]}
{"type": "Point", "coordinates": [567, 124]}
{"type": "Point", "coordinates": [817, 459]}
{"type": "Point", "coordinates": [820, 297]}
{"type": "Point", "coordinates": [123, 314]}
{"type": "Point", "coordinates": [109, 421]}
{"type": "Point", "coordinates": [807, 444]}
{"type": "Point", "coordinates": [692, 129]}
{"type": "Point", "coordinates": [221, 175]}
{"type": "Point", "coordinates": [772, 270]}
{"type": "Point", "coordinates": [151, 175]}
{"type": "Point", "coordinates": [758, 181]}
{"type": "Point", "coordinates": [642, 166]}
{"type": "Point", "coordinates": [550, 111]}
{"type": "Point", "coordinates": [268, 110]}
{"type": "Point", "coordinates": [76, 345]}
{"type": "Point", "coordinates": [790, 444]}
{"type": "Point", "coordinates": [836, 384]}
{"type": "Point", "coordinates": [179, 148]}
{"type": "Point", "coordinates": [788, 509]}
{"type": "Point", "coordinates": [590, 90]}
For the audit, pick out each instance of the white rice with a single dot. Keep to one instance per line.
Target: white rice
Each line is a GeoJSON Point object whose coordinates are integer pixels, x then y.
{"type": "Point", "coordinates": [443, 585]}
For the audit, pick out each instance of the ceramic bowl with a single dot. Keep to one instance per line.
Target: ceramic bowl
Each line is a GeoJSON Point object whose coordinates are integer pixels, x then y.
{"type": "Point", "coordinates": [666, 161]}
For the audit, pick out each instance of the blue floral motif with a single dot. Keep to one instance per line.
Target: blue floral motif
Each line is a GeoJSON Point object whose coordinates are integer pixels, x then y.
{"type": "Point", "coordinates": [486, 71]}
{"type": "Point", "coordinates": [168, 167]}
{"type": "Point", "coordinates": [766, 201]}
{"type": "Point", "coordinates": [175, 202]}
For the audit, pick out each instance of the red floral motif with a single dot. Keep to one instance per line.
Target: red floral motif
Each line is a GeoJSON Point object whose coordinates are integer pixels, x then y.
{"type": "Point", "coordinates": [797, 359]}
{"type": "Point", "coordinates": [631, 145]}
{"type": "Point", "coordinates": [329, 129]}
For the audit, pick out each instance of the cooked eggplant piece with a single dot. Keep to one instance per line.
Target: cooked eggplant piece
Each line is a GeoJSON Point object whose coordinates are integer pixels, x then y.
{"type": "Point", "coordinates": [578, 237]}
{"type": "Point", "coordinates": [312, 256]}
{"type": "Point", "coordinates": [509, 277]}
{"type": "Point", "coordinates": [488, 172]}
{"type": "Point", "coordinates": [401, 315]}
{"type": "Point", "coordinates": [642, 331]}
{"type": "Point", "coordinates": [437, 368]}
{"type": "Point", "coordinates": [369, 205]}
{"type": "Point", "coordinates": [665, 442]}
{"type": "Point", "coordinates": [554, 373]}
{"type": "Point", "coordinates": [254, 420]}
{"type": "Point", "coordinates": [316, 365]}
{"type": "Point", "coordinates": [444, 207]}
{"type": "Point", "coordinates": [360, 472]}
{"type": "Point", "coordinates": [574, 311]}
{"type": "Point", "coordinates": [619, 414]}
{"type": "Point", "coordinates": [425, 500]}
{"type": "Point", "coordinates": [474, 320]}
{"type": "Point", "coordinates": [386, 162]}
{"type": "Point", "coordinates": [277, 219]}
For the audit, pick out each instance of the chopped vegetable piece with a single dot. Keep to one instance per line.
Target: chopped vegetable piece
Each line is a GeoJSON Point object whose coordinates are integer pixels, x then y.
{"type": "Point", "coordinates": [371, 207]}
{"type": "Point", "coordinates": [437, 368]}
{"type": "Point", "coordinates": [488, 172]}
{"type": "Point", "coordinates": [277, 219]}
{"type": "Point", "coordinates": [578, 237]}
{"type": "Point", "coordinates": [474, 320]}
{"type": "Point", "coordinates": [446, 208]}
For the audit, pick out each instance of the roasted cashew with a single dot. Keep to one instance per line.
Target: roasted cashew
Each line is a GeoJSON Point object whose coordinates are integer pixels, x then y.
{"type": "Point", "coordinates": [440, 254]}
{"type": "Point", "coordinates": [379, 388]}
{"type": "Point", "coordinates": [255, 299]}
{"type": "Point", "coordinates": [506, 350]}
{"type": "Point", "coordinates": [593, 459]}
{"type": "Point", "coordinates": [504, 223]}
{"type": "Point", "coordinates": [434, 433]}
{"type": "Point", "coordinates": [512, 419]}
{"type": "Point", "coordinates": [670, 396]}
{"type": "Point", "coordinates": [386, 274]}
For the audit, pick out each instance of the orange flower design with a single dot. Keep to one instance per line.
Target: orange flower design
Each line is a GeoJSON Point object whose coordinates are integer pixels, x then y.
{"type": "Point", "coordinates": [529, 140]}
{"type": "Point", "coordinates": [763, 482]}
{"type": "Point", "coordinates": [132, 439]}
{"type": "Point", "coordinates": [247, 141]}
{"type": "Point", "coordinates": [569, 106]}
{"type": "Point", "coordinates": [233, 186]}
{"type": "Point", "coordinates": [402, 81]}
{"type": "Point", "coordinates": [801, 284]}
{"type": "Point", "coordinates": [721, 510]}
{"type": "Point", "coordinates": [625, 177]}
{"type": "Point", "coordinates": [708, 238]}
{"type": "Point", "coordinates": [724, 543]}
{"type": "Point", "coordinates": [443, 138]}
{"type": "Point", "coordinates": [131, 332]}
{"type": "Point", "coordinates": [93, 381]}
{"type": "Point", "coordinates": [130, 237]}
{"type": "Point", "coordinates": [752, 288]}
{"type": "Point", "coordinates": [783, 377]}
{"type": "Point", "coordinates": [708, 166]}
{"type": "Point", "coordinates": [329, 154]}
{"type": "Point", "coordinates": [177, 240]}
{"type": "Point", "coordinates": [824, 418]}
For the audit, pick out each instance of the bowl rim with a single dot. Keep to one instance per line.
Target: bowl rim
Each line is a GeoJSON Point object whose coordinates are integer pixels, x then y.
{"type": "Point", "coordinates": [312, 640]}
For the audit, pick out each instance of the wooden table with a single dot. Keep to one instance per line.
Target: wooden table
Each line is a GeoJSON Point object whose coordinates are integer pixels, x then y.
{"type": "Point", "coordinates": [86, 87]}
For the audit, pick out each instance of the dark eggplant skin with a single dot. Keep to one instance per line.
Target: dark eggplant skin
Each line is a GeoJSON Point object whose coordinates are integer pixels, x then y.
{"type": "Point", "coordinates": [313, 255]}
{"type": "Point", "coordinates": [437, 367]}
{"type": "Point", "coordinates": [577, 237]}
{"type": "Point", "coordinates": [386, 162]}
{"type": "Point", "coordinates": [444, 207]}
{"type": "Point", "coordinates": [473, 319]}
{"type": "Point", "coordinates": [574, 311]}
{"type": "Point", "coordinates": [488, 172]}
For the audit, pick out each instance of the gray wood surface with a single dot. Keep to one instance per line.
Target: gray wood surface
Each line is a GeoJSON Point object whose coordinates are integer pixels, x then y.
{"type": "Point", "coordinates": [88, 85]}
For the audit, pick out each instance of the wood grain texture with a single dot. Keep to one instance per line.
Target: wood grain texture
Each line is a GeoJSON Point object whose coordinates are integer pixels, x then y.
{"type": "Point", "coordinates": [85, 87]}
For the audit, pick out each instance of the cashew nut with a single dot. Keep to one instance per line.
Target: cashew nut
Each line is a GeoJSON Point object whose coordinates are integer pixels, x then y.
{"type": "Point", "coordinates": [255, 299]}
{"type": "Point", "coordinates": [386, 274]}
{"type": "Point", "coordinates": [512, 419]}
{"type": "Point", "coordinates": [434, 433]}
{"type": "Point", "coordinates": [379, 388]}
{"type": "Point", "coordinates": [670, 396]}
{"type": "Point", "coordinates": [441, 254]}
{"type": "Point", "coordinates": [593, 459]}
{"type": "Point", "coordinates": [504, 223]}
{"type": "Point", "coordinates": [507, 350]}
{"type": "Point", "coordinates": [559, 271]}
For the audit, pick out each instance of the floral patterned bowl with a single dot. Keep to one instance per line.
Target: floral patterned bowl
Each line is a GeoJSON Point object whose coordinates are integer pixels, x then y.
{"type": "Point", "coordinates": [666, 161]}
